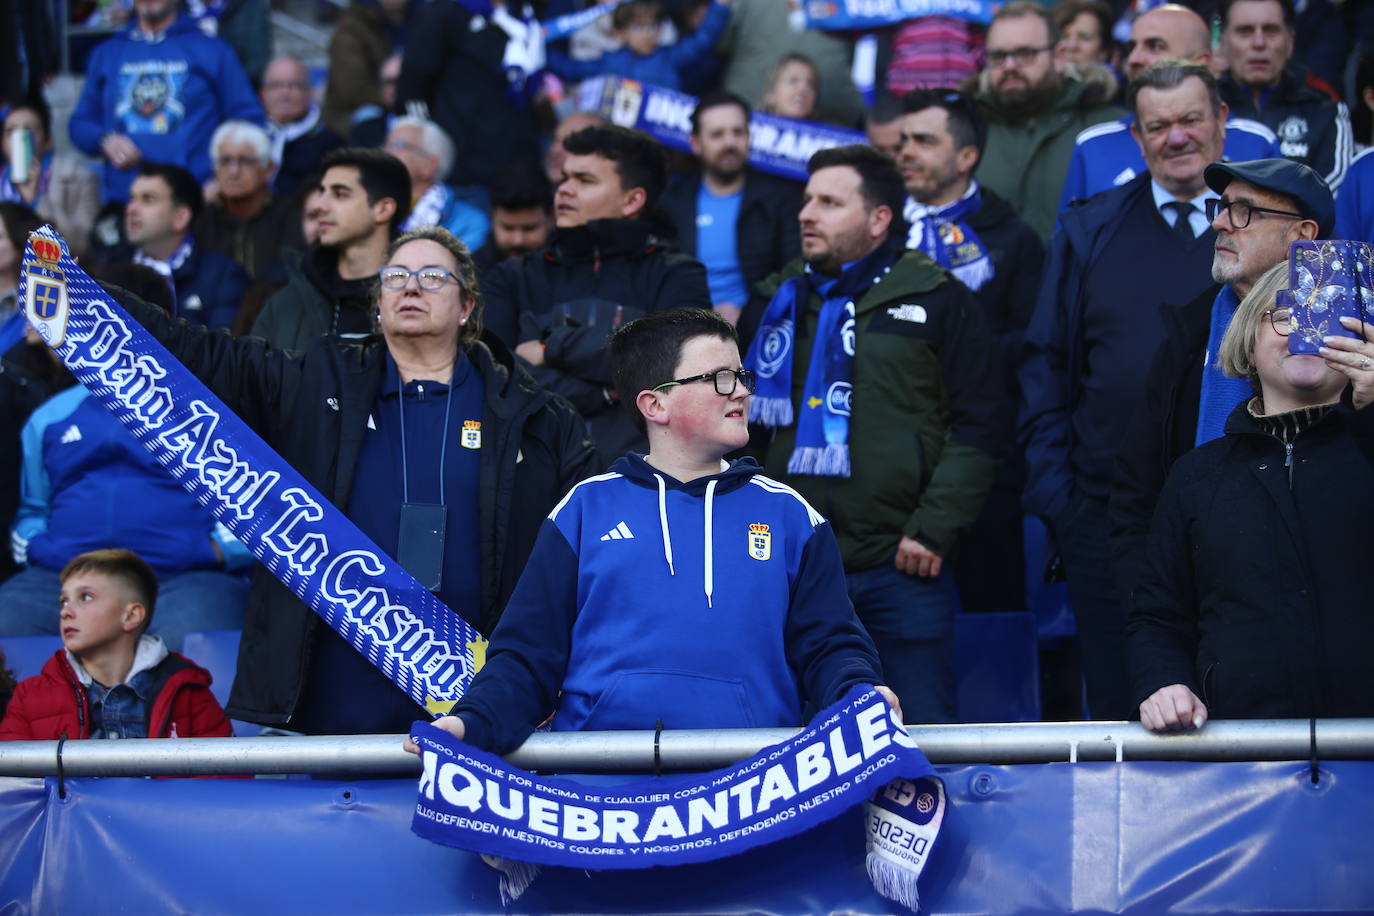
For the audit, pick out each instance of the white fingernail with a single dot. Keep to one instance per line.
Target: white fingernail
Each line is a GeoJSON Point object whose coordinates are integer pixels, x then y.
{"type": "Point", "coordinates": [1197, 721]}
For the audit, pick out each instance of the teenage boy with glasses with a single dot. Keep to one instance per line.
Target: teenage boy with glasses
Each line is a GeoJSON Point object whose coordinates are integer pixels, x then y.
{"type": "Point", "coordinates": [679, 590]}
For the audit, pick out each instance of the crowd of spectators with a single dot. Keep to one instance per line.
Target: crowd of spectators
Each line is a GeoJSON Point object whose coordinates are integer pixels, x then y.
{"type": "Point", "coordinates": [1009, 303]}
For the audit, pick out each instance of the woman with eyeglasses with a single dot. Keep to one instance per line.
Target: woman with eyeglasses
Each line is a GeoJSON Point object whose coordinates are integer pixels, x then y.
{"type": "Point", "coordinates": [428, 436]}
{"type": "Point", "coordinates": [1254, 603]}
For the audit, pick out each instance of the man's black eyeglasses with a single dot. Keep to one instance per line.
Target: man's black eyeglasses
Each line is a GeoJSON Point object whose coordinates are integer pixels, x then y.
{"type": "Point", "coordinates": [725, 380]}
{"type": "Point", "coordinates": [1021, 56]}
{"type": "Point", "coordinates": [1239, 212]}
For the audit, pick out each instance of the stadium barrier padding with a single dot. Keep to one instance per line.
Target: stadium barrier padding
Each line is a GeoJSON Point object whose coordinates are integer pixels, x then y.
{"type": "Point", "coordinates": [1134, 837]}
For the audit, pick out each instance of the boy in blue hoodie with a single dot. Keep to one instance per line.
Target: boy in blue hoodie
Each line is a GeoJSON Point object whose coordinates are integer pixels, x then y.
{"type": "Point", "coordinates": [679, 588]}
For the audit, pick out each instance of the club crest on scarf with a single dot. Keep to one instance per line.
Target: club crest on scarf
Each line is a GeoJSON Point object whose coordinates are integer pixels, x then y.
{"type": "Point", "coordinates": [407, 633]}
{"type": "Point", "coordinates": [944, 234]}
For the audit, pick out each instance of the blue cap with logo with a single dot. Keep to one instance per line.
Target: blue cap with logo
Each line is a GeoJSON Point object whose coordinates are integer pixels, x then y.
{"type": "Point", "coordinates": [1281, 176]}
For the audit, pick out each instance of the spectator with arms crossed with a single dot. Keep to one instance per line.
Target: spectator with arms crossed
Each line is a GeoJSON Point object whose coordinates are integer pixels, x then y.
{"type": "Point", "coordinates": [603, 265]}
{"type": "Point", "coordinates": [748, 618]}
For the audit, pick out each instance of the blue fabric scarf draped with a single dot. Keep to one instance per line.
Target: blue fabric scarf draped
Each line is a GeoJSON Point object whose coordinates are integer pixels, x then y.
{"type": "Point", "coordinates": [944, 234]}
{"type": "Point", "coordinates": [417, 642]}
{"type": "Point", "coordinates": [1220, 392]}
{"type": "Point", "coordinates": [822, 447]}
{"type": "Point", "coordinates": [466, 798]}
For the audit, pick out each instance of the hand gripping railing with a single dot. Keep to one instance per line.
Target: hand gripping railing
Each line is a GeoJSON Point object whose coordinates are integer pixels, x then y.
{"type": "Point", "coordinates": [633, 751]}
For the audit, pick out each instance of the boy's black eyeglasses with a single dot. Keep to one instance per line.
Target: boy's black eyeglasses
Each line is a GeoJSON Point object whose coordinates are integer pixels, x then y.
{"type": "Point", "coordinates": [725, 380]}
{"type": "Point", "coordinates": [1239, 212]}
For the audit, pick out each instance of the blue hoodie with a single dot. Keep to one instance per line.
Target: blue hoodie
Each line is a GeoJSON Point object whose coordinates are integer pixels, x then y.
{"type": "Point", "coordinates": [717, 603]}
{"type": "Point", "coordinates": [87, 484]}
{"type": "Point", "coordinates": [167, 92]}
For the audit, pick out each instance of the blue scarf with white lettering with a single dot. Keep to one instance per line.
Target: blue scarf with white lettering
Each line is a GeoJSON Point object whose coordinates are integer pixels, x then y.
{"type": "Point", "coordinates": [853, 752]}
{"type": "Point", "coordinates": [822, 447]}
{"type": "Point", "coordinates": [418, 643]}
{"type": "Point", "coordinates": [944, 234]}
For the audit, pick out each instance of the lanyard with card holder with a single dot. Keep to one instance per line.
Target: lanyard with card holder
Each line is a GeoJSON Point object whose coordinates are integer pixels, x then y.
{"type": "Point", "coordinates": [420, 540]}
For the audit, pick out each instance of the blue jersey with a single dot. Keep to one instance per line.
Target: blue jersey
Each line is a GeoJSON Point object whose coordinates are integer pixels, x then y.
{"type": "Point", "coordinates": [1107, 155]}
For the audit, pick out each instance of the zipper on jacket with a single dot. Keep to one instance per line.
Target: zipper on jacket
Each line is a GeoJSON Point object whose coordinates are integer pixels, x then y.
{"type": "Point", "coordinates": [1288, 461]}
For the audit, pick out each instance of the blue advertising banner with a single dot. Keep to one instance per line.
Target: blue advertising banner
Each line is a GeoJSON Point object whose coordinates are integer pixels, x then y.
{"type": "Point", "coordinates": [777, 145]}
{"type": "Point", "coordinates": [1143, 838]}
{"type": "Point", "coordinates": [862, 15]}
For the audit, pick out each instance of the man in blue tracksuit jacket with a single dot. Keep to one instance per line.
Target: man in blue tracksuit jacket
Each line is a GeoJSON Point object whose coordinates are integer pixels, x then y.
{"type": "Point", "coordinates": [158, 92]}
{"type": "Point", "coordinates": [677, 589]}
{"type": "Point", "coordinates": [87, 484]}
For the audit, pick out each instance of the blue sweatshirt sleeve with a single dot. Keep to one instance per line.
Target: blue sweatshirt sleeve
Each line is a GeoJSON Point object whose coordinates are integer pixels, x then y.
{"type": "Point", "coordinates": [696, 47]}
{"type": "Point", "coordinates": [35, 489]}
{"type": "Point", "coordinates": [518, 687]}
{"type": "Point", "coordinates": [88, 121]}
{"type": "Point", "coordinates": [827, 646]}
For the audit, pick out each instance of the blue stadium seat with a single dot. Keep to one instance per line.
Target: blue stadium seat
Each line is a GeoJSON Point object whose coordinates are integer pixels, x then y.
{"type": "Point", "coordinates": [217, 651]}
{"type": "Point", "coordinates": [25, 655]}
{"type": "Point", "coordinates": [997, 667]}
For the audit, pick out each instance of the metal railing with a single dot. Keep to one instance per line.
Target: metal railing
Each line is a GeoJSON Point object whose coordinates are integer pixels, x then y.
{"type": "Point", "coordinates": [633, 751]}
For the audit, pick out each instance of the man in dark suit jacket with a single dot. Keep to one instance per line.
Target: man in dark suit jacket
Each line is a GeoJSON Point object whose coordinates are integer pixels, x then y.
{"type": "Point", "coordinates": [741, 224]}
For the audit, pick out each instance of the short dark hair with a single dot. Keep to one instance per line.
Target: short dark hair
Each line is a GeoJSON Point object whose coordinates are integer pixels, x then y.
{"type": "Point", "coordinates": [521, 186]}
{"type": "Point", "coordinates": [185, 190]}
{"type": "Point", "coordinates": [139, 279]}
{"type": "Point", "coordinates": [127, 567]}
{"type": "Point", "coordinates": [627, 12]}
{"type": "Point", "coordinates": [1066, 11]}
{"type": "Point", "coordinates": [1019, 8]}
{"type": "Point", "coordinates": [1290, 15]}
{"type": "Point", "coordinates": [35, 102]}
{"type": "Point", "coordinates": [464, 270]}
{"type": "Point", "coordinates": [19, 221]}
{"type": "Point", "coordinates": [885, 109]}
{"type": "Point", "coordinates": [638, 157]}
{"type": "Point", "coordinates": [879, 181]}
{"type": "Point", "coordinates": [645, 352]}
{"type": "Point", "coordinates": [1170, 74]}
{"type": "Point", "coordinates": [716, 99]}
{"type": "Point", "coordinates": [380, 173]}
{"type": "Point", "coordinates": [966, 125]}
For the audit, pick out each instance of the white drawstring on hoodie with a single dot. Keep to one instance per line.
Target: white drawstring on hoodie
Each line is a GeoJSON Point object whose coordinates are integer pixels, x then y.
{"type": "Point", "coordinates": [708, 574]}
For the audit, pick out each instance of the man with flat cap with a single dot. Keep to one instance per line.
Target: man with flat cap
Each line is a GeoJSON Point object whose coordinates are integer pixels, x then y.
{"type": "Point", "coordinates": [1264, 206]}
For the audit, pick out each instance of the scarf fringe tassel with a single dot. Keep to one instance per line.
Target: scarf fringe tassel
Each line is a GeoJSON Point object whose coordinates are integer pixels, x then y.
{"type": "Point", "coordinates": [893, 881]}
{"type": "Point", "coordinates": [974, 274]}
{"type": "Point", "coordinates": [829, 460]}
{"type": "Point", "coordinates": [516, 876]}
{"type": "Point", "coordinates": [776, 412]}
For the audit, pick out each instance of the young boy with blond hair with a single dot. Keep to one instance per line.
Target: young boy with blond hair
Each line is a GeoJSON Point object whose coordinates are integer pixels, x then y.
{"type": "Point", "coordinates": [110, 679]}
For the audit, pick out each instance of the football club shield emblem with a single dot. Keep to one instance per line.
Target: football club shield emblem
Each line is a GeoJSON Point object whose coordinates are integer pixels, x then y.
{"type": "Point", "coordinates": [472, 434]}
{"type": "Point", "coordinates": [760, 542]}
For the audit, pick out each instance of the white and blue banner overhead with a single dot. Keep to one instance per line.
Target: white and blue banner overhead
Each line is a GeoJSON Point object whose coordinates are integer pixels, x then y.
{"type": "Point", "coordinates": [862, 15]}
{"type": "Point", "coordinates": [777, 145]}
{"type": "Point", "coordinates": [563, 26]}
{"type": "Point", "coordinates": [854, 752]}
{"type": "Point", "coordinates": [412, 637]}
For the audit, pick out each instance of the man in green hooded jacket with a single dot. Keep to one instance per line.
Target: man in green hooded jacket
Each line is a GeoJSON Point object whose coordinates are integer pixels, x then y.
{"type": "Point", "coordinates": [879, 400]}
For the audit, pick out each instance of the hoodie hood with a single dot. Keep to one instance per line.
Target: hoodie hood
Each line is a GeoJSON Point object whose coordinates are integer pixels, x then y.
{"type": "Point", "coordinates": [735, 474]}
{"type": "Point", "coordinates": [149, 654]}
